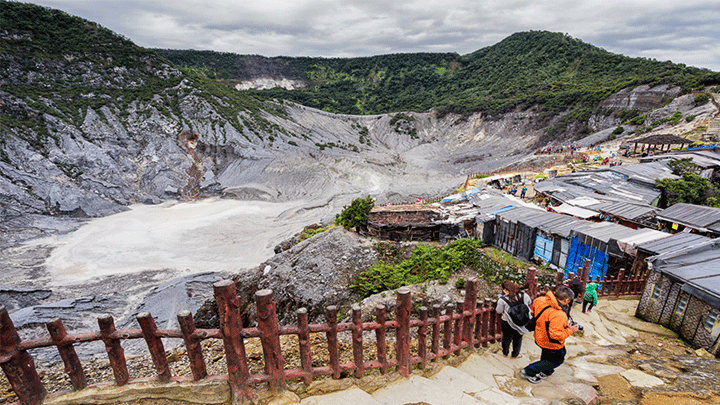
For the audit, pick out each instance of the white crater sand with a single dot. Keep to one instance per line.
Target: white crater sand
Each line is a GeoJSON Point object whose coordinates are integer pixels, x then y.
{"type": "Point", "coordinates": [190, 237]}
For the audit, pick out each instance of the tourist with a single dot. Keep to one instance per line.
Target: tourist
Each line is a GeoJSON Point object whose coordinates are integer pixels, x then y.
{"type": "Point", "coordinates": [574, 283]}
{"type": "Point", "coordinates": [551, 330]}
{"type": "Point", "coordinates": [590, 297]}
{"type": "Point", "coordinates": [512, 334]}
{"type": "Point", "coordinates": [523, 191]}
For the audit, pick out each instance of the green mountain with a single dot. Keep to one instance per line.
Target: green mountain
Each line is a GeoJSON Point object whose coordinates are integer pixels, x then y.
{"type": "Point", "coordinates": [551, 70]}
{"type": "Point", "coordinates": [63, 65]}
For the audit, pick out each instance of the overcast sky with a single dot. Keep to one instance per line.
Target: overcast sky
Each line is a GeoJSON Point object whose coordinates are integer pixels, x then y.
{"type": "Point", "coordinates": [683, 32]}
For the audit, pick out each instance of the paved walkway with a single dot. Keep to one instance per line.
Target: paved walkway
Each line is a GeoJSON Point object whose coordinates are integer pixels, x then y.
{"type": "Point", "coordinates": [490, 378]}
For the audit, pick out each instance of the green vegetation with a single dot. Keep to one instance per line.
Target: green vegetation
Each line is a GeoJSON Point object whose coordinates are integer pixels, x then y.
{"type": "Point", "coordinates": [701, 98]}
{"type": "Point", "coordinates": [551, 71]}
{"type": "Point", "coordinates": [312, 230]}
{"type": "Point", "coordinates": [429, 262]}
{"type": "Point", "coordinates": [691, 188]}
{"type": "Point", "coordinates": [356, 215]}
{"type": "Point", "coordinates": [64, 66]}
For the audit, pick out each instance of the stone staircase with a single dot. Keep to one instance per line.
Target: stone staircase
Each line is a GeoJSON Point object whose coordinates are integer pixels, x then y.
{"type": "Point", "coordinates": [489, 378]}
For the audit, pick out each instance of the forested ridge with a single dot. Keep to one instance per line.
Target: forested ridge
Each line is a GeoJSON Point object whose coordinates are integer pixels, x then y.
{"type": "Point", "coordinates": [551, 70]}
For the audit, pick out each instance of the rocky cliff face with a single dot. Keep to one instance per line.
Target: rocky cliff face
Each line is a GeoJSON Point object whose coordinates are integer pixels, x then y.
{"type": "Point", "coordinates": [144, 154]}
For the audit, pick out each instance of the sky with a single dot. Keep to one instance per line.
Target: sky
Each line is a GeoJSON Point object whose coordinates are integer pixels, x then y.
{"type": "Point", "coordinates": [679, 31]}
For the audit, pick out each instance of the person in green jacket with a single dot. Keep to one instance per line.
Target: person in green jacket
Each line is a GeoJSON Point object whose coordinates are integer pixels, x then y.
{"type": "Point", "coordinates": [590, 297]}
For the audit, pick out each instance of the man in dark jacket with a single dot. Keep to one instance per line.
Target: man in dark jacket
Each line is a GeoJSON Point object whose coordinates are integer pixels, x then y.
{"type": "Point", "coordinates": [577, 288]}
{"type": "Point", "coordinates": [551, 330]}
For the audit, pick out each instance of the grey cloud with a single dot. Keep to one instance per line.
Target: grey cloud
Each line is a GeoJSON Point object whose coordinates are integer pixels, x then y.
{"type": "Point", "coordinates": [683, 33]}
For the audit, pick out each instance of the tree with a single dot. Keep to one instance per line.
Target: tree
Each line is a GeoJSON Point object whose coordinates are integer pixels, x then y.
{"type": "Point", "coordinates": [356, 215]}
{"type": "Point", "coordinates": [691, 188]}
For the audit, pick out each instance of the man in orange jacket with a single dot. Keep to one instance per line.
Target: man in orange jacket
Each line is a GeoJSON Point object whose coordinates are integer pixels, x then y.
{"type": "Point", "coordinates": [551, 330]}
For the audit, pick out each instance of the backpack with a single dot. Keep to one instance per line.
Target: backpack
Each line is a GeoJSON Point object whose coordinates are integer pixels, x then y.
{"type": "Point", "coordinates": [518, 312]}
{"type": "Point", "coordinates": [531, 323]}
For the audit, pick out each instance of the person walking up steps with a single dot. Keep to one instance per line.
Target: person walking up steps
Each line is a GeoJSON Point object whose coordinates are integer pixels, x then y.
{"type": "Point", "coordinates": [551, 330]}
{"type": "Point", "coordinates": [590, 297]}
{"type": "Point", "coordinates": [512, 333]}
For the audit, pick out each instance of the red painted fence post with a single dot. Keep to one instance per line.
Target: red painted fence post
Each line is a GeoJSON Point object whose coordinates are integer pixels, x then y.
{"type": "Point", "coordinates": [471, 290]}
{"type": "Point", "coordinates": [116, 354]}
{"type": "Point", "coordinates": [357, 340]}
{"type": "Point", "coordinates": [231, 330]}
{"type": "Point", "coordinates": [192, 345]}
{"type": "Point", "coordinates": [402, 315]}
{"type": "Point", "coordinates": [422, 336]}
{"type": "Point", "coordinates": [531, 281]}
{"type": "Point", "coordinates": [435, 339]}
{"type": "Point", "coordinates": [155, 346]}
{"type": "Point", "coordinates": [585, 272]}
{"type": "Point", "coordinates": [620, 284]}
{"type": "Point", "coordinates": [381, 342]}
{"type": "Point", "coordinates": [68, 355]}
{"type": "Point", "coordinates": [332, 340]}
{"type": "Point", "coordinates": [18, 365]}
{"type": "Point", "coordinates": [270, 338]}
{"type": "Point", "coordinates": [304, 344]}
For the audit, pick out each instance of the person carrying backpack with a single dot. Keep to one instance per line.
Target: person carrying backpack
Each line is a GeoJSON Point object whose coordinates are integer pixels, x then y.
{"type": "Point", "coordinates": [514, 306]}
{"type": "Point", "coordinates": [551, 330]}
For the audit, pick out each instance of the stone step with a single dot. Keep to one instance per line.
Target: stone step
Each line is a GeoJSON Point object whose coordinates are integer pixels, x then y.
{"type": "Point", "coordinates": [352, 395]}
{"type": "Point", "coordinates": [455, 379]}
{"type": "Point", "coordinates": [417, 389]}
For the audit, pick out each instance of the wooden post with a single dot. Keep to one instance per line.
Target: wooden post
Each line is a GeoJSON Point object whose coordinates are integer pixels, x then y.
{"type": "Point", "coordinates": [381, 342]}
{"type": "Point", "coordinates": [73, 367]}
{"type": "Point", "coordinates": [270, 338]}
{"type": "Point", "coordinates": [477, 339]}
{"type": "Point", "coordinates": [422, 336]}
{"type": "Point", "coordinates": [531, 280]}
{"type": "Point", "coordinates": [357, 340]}
{"type": "Point", "coordinates": [332, 340]}
{"type": "Point", "coordinates": [458, 330]}
{"type": "Point", "coordinates": [585, 272]}
{"type": "Point", "coordinates": [402, 316]}
{"type": "Point", "coordinates": [116, 354]}
{"type": "Point", "coordinates": [304, 345]}
{"type": "Point", "coordinates": [447, 330]}
{"type": "Point", "coordinates": [231, 330]}
{"type": "Point", "coordinates": [471, 289]}
{"type": "Point", "coordinates": [192, 345]}
{"type": "Point", "coordinates": [620, 285]}
{"type": "Point", "coordinates": [485, 324]}
{"type": "Point", "coordinates": [18, 365]}
{"type": "Point", "coordinates": [435, 340]}
{"type": "Point", "coordinates": [494, 329]}
{"type": "Point", "coordinates": [155, 345]}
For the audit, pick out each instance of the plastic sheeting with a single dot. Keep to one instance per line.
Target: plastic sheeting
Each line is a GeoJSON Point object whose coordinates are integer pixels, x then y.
{"type": "Point", "coordinates": [579, 252]}
{"type": "Point", "coordinates": [543, 248]}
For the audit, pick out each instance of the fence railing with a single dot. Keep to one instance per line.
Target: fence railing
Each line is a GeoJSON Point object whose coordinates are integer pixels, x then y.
{"type": "Point", "coordinates": [435, 333]}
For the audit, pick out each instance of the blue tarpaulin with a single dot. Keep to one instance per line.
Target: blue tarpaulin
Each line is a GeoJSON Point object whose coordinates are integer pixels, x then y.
{"type": "Point", "coordinates": [579, 252]}
{"type": "Point", "coordinates": [543, 248]}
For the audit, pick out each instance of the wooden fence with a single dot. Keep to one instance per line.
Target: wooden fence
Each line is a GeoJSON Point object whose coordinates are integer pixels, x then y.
{"type": "Point", "coordinates": [435, 333]}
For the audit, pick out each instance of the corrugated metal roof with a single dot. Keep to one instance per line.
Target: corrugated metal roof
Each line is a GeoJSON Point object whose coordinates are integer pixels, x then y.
{"type": "Point", "coordinates": [697, 266]}
{"type": "Point", "coordinates": [626, 210]}
{"type": "Point", "coordinates": [549, 222]}
{"type": "Point", "coordinates": [672, 243]}
{"type": "Point", "coordinates": [646, 172]}
{"type": "Point", "coordinates": [599, 184]}
{"type": "Point", "coordinates": [696, 216]}
{"type": "Point", "coordinates": [604, 231]}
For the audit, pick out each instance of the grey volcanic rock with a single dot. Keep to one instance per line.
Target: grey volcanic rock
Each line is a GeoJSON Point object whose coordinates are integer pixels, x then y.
{"type": "Point", "coordinates": [313, 274]}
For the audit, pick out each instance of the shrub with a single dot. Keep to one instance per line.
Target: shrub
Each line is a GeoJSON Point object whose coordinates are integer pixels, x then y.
{"type": "Point", "coordinates": [701, 98]}
{"type": "Point", "coordinates": [356, 214]}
